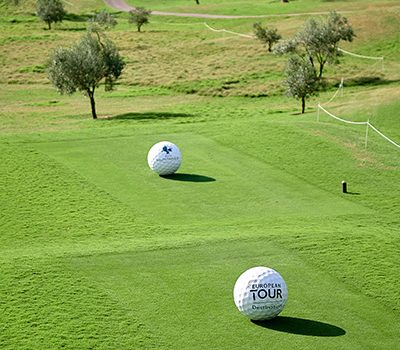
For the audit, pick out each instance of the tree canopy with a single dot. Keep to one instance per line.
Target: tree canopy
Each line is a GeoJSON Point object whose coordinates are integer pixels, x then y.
{"type": "Point", "coordinates": [268, 36]}
{"type": "Point", "coordinates": [301, 79]}
{"type": "Point", "coordinates": [84, 65]}
{"type": "Point", "coordinates": [104, 19]}
{"type": "Point", "coordinates": [319, 40]}
{"type": "Point", "coordinates": [139, 16]}
{"type": "Point", "coordinates": [50, 11]}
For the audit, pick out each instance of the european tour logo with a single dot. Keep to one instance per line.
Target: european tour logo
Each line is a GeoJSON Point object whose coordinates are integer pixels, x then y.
{"type": "Point", "coordinates": [263, 291]}
{"type": "Point", "coordinates": [267, 296]}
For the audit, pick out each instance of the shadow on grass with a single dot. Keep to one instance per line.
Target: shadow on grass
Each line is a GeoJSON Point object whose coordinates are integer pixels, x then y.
{"type": "Point", "coordinates": [301, 326]}
{"type": "Point", "coordinates": [369, 81]}
{"type": "Point", "coordinates": [188, 177]}
{"type": "Point", "coordinates": [149, 116]}
{"type": "Point", "coordinates": [77, 18]}
{"type": "Point", "coordinates": [80, 29]}
{"type": "Point", "coordinates": [353, 193]}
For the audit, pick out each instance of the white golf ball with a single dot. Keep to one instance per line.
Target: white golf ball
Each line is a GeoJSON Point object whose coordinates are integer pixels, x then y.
{"type": "Point", "coordinates": [164, 158]}
{"type": "Point", "coordinates": [260, 293]}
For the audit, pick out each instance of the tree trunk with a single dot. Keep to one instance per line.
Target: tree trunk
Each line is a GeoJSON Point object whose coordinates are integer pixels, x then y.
{"type": "Point", "coordinates": [197, 2]}
{"type": "Point", "coordinates": [321, 68]}
{"type": "Point", "coordinates": [303, 104]}
{"type": "Point", "coordinates": [312, 61]}
{"type": "Point", "coordinates": [49, 24]}
{"type": "Point", "coordinates": [138, 28]}
{"type": "Point", "coordinates": [92, 103]}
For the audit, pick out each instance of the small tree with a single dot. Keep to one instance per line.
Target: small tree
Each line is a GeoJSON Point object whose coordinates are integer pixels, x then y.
{"type": "Point", "coordinates": [104, 19]}
{"type": "Point", "coordinates": [319, 40]}
{"type": "Point", "coordinates": [84, 65]}
{"type": "Point", "coordinates": [50, 11]}
{"type": "Point", "coordinates": [139, 16]}
{"type": "Point", "coordinates": [301, 79]}
{"type": "Point", "coordinates": [268, 36]}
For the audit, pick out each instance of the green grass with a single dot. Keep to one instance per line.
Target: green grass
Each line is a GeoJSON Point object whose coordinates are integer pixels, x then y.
{"type": "Point", "coordinates": [97, 252]}
{"type": "Point", "coordinates": [241, 7]}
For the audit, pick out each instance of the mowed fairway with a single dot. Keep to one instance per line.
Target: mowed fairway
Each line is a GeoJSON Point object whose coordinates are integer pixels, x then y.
{"type": "Point", "coordinates": [216, 184]}
{"type": "Point", "coordinates": [99, 252]}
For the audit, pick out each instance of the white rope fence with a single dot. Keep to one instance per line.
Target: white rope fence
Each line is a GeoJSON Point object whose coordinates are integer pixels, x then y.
{"type": "Point", "coordinates": [67, 2]}
{"type": "Point", "coordinates": [368, 125]}
{"type": "Point", "coordinates": [385, 137]}
{"type": "Point", "coordinates": [378, 58]}
{"type": "Point", "coordinates": [340, 119]}
{"type": "Point", "coordinates": [381, 58]}
{"type": "Point", "coordinates": [340, 89]}
{"type": "Point", "coordinates": [229, 32]}
{"type": "Point", "coordinates": [360, 56]}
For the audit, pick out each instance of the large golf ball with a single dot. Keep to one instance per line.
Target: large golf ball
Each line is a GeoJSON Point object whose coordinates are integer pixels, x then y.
{"type": "Point", "coordinates": [260, 293]}
{"type": "Point", "coordinates": [164, 158]}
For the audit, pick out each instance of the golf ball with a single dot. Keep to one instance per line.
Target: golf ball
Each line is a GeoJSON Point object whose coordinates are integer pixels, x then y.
{"type": "Point", "coordinates": [164, 158]}
{"type": "Point", "coordinates": [260, 293]}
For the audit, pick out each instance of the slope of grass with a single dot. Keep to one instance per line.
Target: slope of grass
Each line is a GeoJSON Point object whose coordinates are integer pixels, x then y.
{"type": "Point", "coordinates": [240, 7]}
{"type": "Point", "coordinates": [201, 279]}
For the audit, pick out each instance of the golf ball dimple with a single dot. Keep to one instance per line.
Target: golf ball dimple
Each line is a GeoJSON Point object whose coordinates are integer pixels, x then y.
{"type": "Point", "coordinates": [260, 293]}
{"type": "Point", "coordinates": [164, 158]}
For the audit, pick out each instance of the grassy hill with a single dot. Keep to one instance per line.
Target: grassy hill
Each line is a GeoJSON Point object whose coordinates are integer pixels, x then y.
{"type": "Point", "coordinates": [98, 252]}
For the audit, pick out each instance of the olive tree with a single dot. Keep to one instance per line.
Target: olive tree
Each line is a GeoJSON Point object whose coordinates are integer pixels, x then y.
{"type": "Point", "coordinates": [269, 36]}
{"type": "Point", "coordinates": [139, 16]}
{"type": "Point", "coordinates": [10, 2]}
{"type": "Point", "coordinates": [319, 40]}
{"type": "Point", "coordinates": [50, 11]}
{"type": "Point", "coordinates": [301, 79]}
{"type": "Point", "coordinates": [104, 19]}
{"type": "Point", "coordinates": [84, 65]}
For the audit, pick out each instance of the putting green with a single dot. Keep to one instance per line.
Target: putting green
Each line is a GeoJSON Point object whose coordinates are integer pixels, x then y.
{"type": "Point", "coordinates": [214, 184]}
{"type": "Point", "coordinates": [182, 294]}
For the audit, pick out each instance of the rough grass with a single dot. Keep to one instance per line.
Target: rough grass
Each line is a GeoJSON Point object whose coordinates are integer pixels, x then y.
{"type": "Point", "coordinates": [241, 7]}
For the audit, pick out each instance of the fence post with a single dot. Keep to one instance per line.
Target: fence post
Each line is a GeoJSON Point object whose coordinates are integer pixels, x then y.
{"type": "Point", "coordinates": [341, 87]}
{"type": "Point", "coordinates": [366, 135]}
{"type": "Point", "coordinates": [344, 186]}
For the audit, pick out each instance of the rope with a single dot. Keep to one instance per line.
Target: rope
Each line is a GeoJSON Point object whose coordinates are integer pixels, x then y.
{"type": "Point", "coordinates": [360, 56]}
{"type": "Point", "coordinates": [342, 120]}
{"type": "Point", "coordinates": [67, 2]}
{"type": "Point", "coordinates": [337, 91]}
{"type": "Point", "coordinates": [228, 31]}
{"type": "Point", "coordinates": [385, 137]}
{"type": "Point", "coordinates": [360, 123]}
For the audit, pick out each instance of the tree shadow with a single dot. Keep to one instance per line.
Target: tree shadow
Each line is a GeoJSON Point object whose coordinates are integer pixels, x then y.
{"type": "Point", "coordinates": [369, 81]}
{"type": "Point", "coordinates": [188, 177]}
{"type": "Point", "coordinates": [301, 326]}
{"type": "Point", "coordinates": [79, 29]}
{"type": "Point", "coordinates": [353, 193]}
{"type": "Point", "coordinates": [149, 116]}
{"type": "Point", "coordinates": [73, 17]}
